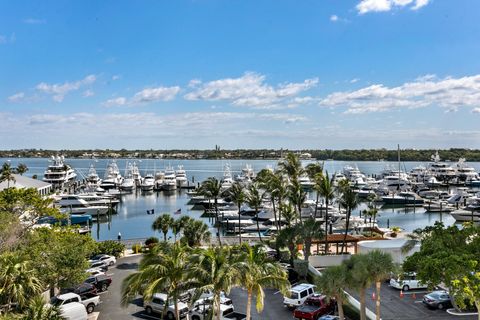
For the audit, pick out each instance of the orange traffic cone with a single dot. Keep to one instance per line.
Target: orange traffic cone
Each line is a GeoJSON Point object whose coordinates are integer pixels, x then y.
{"type": "Point", "coordinates": [401, 293]}
{"type": "Point", "coordinates": [373, 295]}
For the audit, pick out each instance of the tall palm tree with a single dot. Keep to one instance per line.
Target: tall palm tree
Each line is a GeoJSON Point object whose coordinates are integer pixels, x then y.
{"type": "Point", "coordinates": [37, 310]}
{"type": "Point", "coordinates": [296, 196]}
{"type": "Point", "coordinates": [308, 230]}
{"type": "Point", "coordinates": [288, 237]}
{"type": "Point", "coordinates": [291, 166]}
{"type": "Point", "coordinates": [359, 278]}
{"type": "Point", "coordinates": [18, 281]}
{"type": "Point", "coordinates": [195, 232]}
{"type": "Point", "coordinates": [327, 192]}
{"type": "Point", "coordinates": [254, 200]}
{"type": "Point", "coordinates": [258, 272]}
{"type": "Point", "coordinates": [317, 182]}
{"type": "Point", "coordinates": [21, 169]}
{"type": "Point", "coordinates": [163, 223]}
{"type": "Point", "coordinates": [288, 213]}
{"type": "Point", "coordinates": [215, 270]}
{"type": "Point", "coordinates": [313, 169]}
{"type": "Point", "coordinates": [333, 282]}
{"type": "Point", "coordinates": [237, 195]}
{"type": "Point", "coordinates": [380, 266]}
{"type": "Point", "coordinates": [212, 189]}
{"type": "Point", "coordinates": [349, 201]}
{"type": "Point", "coordinates": [166, 269]}
{"type": "Point", "coordinates": [274, 185]}
{"type": "Point", "coordinates": [6, 174]}
{"type": "Point", "coordinates": [179, 224]}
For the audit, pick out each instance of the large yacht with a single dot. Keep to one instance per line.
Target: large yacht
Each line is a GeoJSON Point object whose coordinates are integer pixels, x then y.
{"type": "Point", "coordinates": [354, 175]}
{"type": "Point", "coordinates": [74, 204]}
{"type": "Point", "coordinates": [92, 176]}
{"type": "Point", "coordinates": [128, 183]}
{"type": "Point", "coordinates": [181, 177]}
{"type": "Point", "coordinates": [148, 182]}
{"type": "Point", "coordinates": [59, 173]}
{"type": "Point", "coordinates": [112, 178]}
{"type": "Point", "coordinates": [227, 179]}
{"type": "Point", "coordinates": [403, 198]}
{"type": "Point", "coordinates": [169, 180]}
{"type": "Point", "coordinates": [440, 170]}
{"type": "Point", "coordinates": [465, 172]}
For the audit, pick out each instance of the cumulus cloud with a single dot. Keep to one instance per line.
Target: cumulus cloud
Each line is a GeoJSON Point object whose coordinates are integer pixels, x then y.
{"type": "Point", "coordinates": [17, 97]}
{"type": "Point", "coordinates": [476, 110]}
{"type": "Point", "coordinates": [249, 90]}
{"type": "Point", "coordinates": [365, 6]}
{"type": "Point", "coordinates": [34, 21]}
{"type": "Point", "coordinates": [59, 91]}
{"type": "Point", "coordinates": [334, 18]}
{"type": "Point", "coordinates": [449, 93]}
{"type": "Point", "coordinates": [88, 93]}
{"type": "Point", "coordinates": [116, 77]}
{"type": "Point", "coordinates": [144, 96]}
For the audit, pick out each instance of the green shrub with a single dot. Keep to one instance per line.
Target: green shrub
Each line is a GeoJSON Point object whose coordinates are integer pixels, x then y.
{"type": "Point", "coordinates": [137, 248]}
{"type": "Point", "coordinates": [151, 241]}
{"type": "Point", "coordinates": [110, 247]}
{"type": "Point", "coordinates": [301, 267]}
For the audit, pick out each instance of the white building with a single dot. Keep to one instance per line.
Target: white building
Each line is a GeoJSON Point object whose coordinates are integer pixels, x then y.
{"type": "Point", "coordinates": [20, 182]}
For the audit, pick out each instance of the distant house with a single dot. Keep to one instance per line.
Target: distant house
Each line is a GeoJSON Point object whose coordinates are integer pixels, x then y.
{"type": "Point", "coordinates": [20, 182]}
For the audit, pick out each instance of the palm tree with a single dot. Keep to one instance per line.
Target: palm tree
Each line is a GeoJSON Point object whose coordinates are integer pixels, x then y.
{"type": "Point", "coordinates": [313, 169]}
{"type": "Point", "coordinates": [254, 200]}
{"type": "Point", "coordinates": [333, 283]}
{"type": "Point", "coordinates": [258, 272]}
{"type": "Point", "coordinates": [21, 169]}
{"type": "Point", "coordinates": [288, 213]}
{"type": "Point", "coordinates": [327, 192]}
{"type": "Point", "coordinates": [37, 310]}
{"type": "Point", "coordinates": [348, 201]}
{"type": "Point", "coordinates": [317, 182]}
{"type": "Point", "coordinates": [178, 225]}
{"type": "Point", "coordinates": [18, 281]}
{"type": "Point", "coordinates": [6, 174]}
{"type": "Point", "coordinates": [413, 239]}
{"type": "Point", "coordinates": [288, 237]}
{"type": "Point", "coordinates": [380, 266]}
{"type": "Point", "coordinates": [359, 278]}
{"type": "Point", "coordinates": [212, 189]}
{"type": "Point", "coordinates": [308, 230]}
{"type": "Point", "coordinates": [291, 166]}
{"type": "Point", "coordinates": [274, 185]}
{"type": "Point", "coordinates": [297, 196]}
{"type": "Point", "coordinates": [165, 269]}
{"type": "Point", "coordinates": [163, 223]}
{"type": "Point", "coordinates": [195, 232]}
{"type": "Point", "coordinates": [215, 270]}
{"type": "Point", "coordinates": [237, 195]}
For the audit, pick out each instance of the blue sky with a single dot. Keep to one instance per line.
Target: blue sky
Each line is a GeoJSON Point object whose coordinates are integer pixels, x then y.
{"type": "Point", "coordinates": [240, 74]}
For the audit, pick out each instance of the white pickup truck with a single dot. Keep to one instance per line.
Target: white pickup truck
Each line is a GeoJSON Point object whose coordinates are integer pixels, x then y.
{"type": "Point", "coordinates": [90, 301]}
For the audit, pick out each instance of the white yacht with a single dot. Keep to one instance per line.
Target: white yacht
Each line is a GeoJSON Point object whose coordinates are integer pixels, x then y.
{"type": "Point", "coordinates": [247, 175]}
{"type": "Point", "coordinates": [112, 178]}
{"type": "Point", "coordinates": [92, 176]}
{"type": "Point", "coordinates": [305, 182]}
{"type": "Point", "coordinates": [59, 173]}
{"type": "Point", "coordinates": [74, 204]}
{"type": "Point", "coordinates": [403, 198]}
{"type": "Point", "coordinates": [398, 181]}
{"type": "Point", "coordinates": [128, 183]}
{"type": "Point", "coordinates": [440, 170]}
{"type": "Point", "coordinates": [181, 176]}
{"type": "Point", "coordinates": [354, 175]}
{"type": "Point", "coordinates": [466, 172]}
{"type": "Point", "coordinates": [227, 179]}
{"type": "Point", "coordinates": [169, 180]}
{"type": "Point", "coordinates": [148, 182]}
{"type": "Point", "coordinates": [137, 177]}
{"type": "Point", "coordinates": [159, 178]}
{"type": "Point", "coordinates": [465, 215]}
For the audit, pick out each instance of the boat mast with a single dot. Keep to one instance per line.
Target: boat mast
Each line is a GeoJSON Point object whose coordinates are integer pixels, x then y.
{"type": "Point", "coordinates": [398, 166]}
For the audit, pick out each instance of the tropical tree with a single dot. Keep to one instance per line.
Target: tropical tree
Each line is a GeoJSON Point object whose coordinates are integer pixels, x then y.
{"type": "Point", "coordinates": [288, 213]}
{"type": "Point", "coordinates": [21, 169]}
{"type": "Point", "coordinates": [165, 269]}
{"type": "Point", "coordinates": [163, 224]}
{"type": "Point", "coordinates": [215, 269]}
{"type": "Point", "coordinates": [291, 166]}
{"type": "Point", "coordinates": [275, 187]}
{"type": "Point", "coordinates": [359, 278]}
{"type": "Point", "coordinates": [309, 230]}
{"type": "Point", "coordinates": [315, 172]}
{"type": "Point", "coordinates": [380, 266]}
{"type": "Point", "coordinates": [212, 189]}
{"type": "Point", "coordinates": [6, 174]}
{"type": "Point", "coordinates": [237, 195]}
{"type": "Point", "coordinates": [18, 281]}
{"type": "Point", "coordinates": [296, 196]}
{"type": "Point", "coordinates": [195, 232]}
{"type": "Point", "coordinates": [254, 200]}
{"type": "Point", "coordinates": [349, 202]}
{"type": "Point", "coordinates": [179, 224]}
{"type": "Point", "coordinates": [327, 192]}
{"type": "Point", "coordinates": [257, 272]}
{"type": "Point", "coordinates": [288, 237]}
{"type": "Point", "coordinates": [38, 310]}
{"type": "Point", "coordinates": [467, 288]}
{"type": "Point", "coordinates": [333, 282]}
{"type": "Point", "coordinates": [413, 239]}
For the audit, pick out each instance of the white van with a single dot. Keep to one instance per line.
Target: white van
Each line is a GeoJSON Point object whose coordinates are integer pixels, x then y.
{"type": "Point", "coordinates": [407, 281]}
{"type": "Point", "coordinates": [298, 295]}
{"type": "Point", "coordinates": [74, 311]}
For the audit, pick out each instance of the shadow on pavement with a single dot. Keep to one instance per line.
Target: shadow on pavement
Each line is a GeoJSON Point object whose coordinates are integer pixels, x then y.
{"type": "Point", "coordinates": [128, 266]}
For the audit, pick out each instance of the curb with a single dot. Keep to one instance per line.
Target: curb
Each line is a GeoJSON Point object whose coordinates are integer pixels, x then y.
{"type": "Point", "coordinates": [454, 312]}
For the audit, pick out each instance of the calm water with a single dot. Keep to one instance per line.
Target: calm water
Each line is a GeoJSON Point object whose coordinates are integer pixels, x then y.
{"type": "Point", "coordinates": [133, 222]}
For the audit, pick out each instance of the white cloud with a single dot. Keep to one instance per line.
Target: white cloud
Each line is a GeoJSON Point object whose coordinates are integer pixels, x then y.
{"type": "Point", "coordinates": [17, 97]}
{"type": "Point", "coordinates": [34, 21]}
{"type": "Point", "coordinates": [447, 92]}
{"type": "Point", "coordinates": [476, 110]}
{"type": "Point", "coordinates": [120, 101]}
{"type": "Point", "coordinates": [88, 93]}
{"type": "Point", "coordinates": [354, 80]}
{"type": "Point", "coordinates": [365, 6]}
{"type": "Point", "coordinates": [116, 77]}
{"type": "Point", "coordinates": [147, 95]}
{"type": "Point", "coordinates": [334, 18]}
{"type": "Point", "coordinates": [59, 91]}
{"type": "Point", "coordinates": [249, 90]}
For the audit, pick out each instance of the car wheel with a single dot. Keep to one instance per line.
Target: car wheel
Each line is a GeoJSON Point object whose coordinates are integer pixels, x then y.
{"type": "Point", "coordinates": [90, 308]}
{"type": "Point", "coordinates": [149, 310]}
{"type": "Point", "coordinates": [440, 306]}
{"type": "Point", "coordinates": [170, 316]}
{"type": "Point", "coordinates": [111, 263]}
{"type": "Point", "coordinates": [104, 287]}
{"type": "Point", "coordinates": [405, 288]}
{"type": "Point", "coordinates": [195, 318]}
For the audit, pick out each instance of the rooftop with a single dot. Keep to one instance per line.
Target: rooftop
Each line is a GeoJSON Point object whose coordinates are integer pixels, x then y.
{"type": "Point", "coordinates": [24, 182]}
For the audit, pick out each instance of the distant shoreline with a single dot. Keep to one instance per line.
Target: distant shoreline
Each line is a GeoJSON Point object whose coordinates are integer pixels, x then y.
{"type": "Point", "coordinates": [452, 154]}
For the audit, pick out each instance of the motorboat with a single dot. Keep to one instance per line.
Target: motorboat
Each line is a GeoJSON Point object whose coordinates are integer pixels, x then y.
{"type": "Point", "coordinates": [227, 179]}
{"type": "Point", "coordinates": [148, 182]}
{"type": "Point", "coordinates": [439, 169]}
{"type": "Point", "coordinates": [181, 177]}
{"type": "Point", "coordinates": [247, 175]}
{"type": "Point", "coordinates": [112, 178]}
{"type": "Point", "coordinates": [128, 183]}
{"type": "Point", "coordinates": [169, 180]}
{"type": "Point", "coordinates": [74, 204]}
{"type": "Point", "coordinates": [305, 182]}
{"type": "Point", "coordinates": [466, 172]}
{"type": "Point", "coordinates": [403, 198]}
{"type": "Point", "coordinates": [465, 215]}
{"type": "Point", "coordinates": [58, 173]}
{"type": "Point", "coordinates": [92, 176]}
{"type": "Point", "coordinates": [137, 177]}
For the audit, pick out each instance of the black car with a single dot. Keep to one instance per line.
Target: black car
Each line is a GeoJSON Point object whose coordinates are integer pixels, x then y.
{"type": "Point", "coordinates": [81, 289]}
{"type": "Point", "coordinates": [101, 282]}
{"type": "Point", "coordinates": [437, 300]}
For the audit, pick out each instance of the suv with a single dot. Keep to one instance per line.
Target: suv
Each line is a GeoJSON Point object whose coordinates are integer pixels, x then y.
{"type": "Point", "coordinates": [101, 282]}
{"type": "Point", "coordinates": [298, 295]}
{"type": "Point", "coordinates": [407, 281]}
{"type": "Point", "coordinates": [201, 309]}
{"type": "Point", "coordinates": [157, 305]}
{"type": "Point", "coordinates": [97, 265]}
{"type": "Point", "coordinates": [109, 260]}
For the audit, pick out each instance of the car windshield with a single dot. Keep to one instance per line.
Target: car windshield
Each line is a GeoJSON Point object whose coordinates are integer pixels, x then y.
{"type": "Point", "coordinates": [294, 295]}
{"type": "Point", "coordinates": [90, 280]}
{"type": "Point", "coordinates": [56, 302]}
